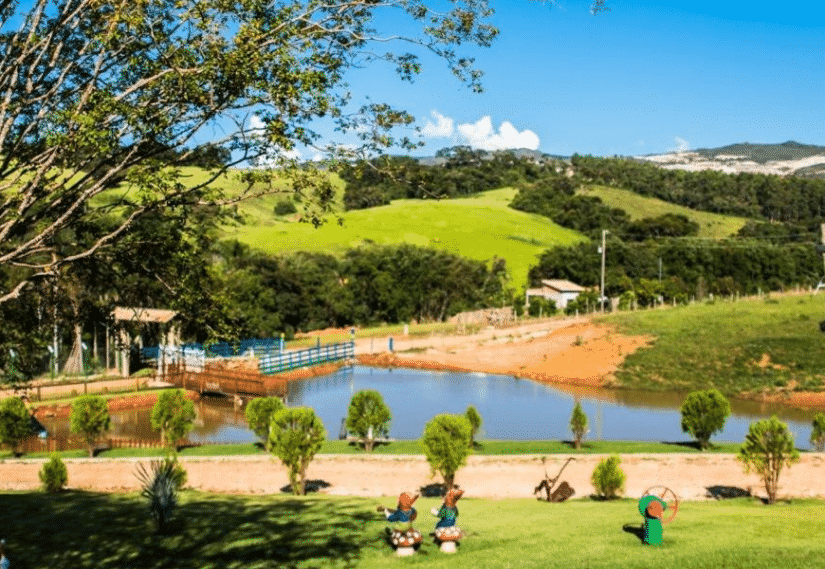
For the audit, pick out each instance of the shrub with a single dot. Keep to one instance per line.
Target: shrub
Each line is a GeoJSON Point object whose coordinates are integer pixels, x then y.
{"type": "Point", "coordinates": [296, 436]}
{"type": "Point", "coordinates": [179, 475]}
{"type": "Point", "coordinates": [54, 475]}
{"type": "Point", "coordinates": [259, 413]}
{"type": "Point", "coordinates": [768, 447]}
{"type": "Point", "coordinates": [474, 417]}
{"type": "Point", "coordinates": [160, 490]}
{"type": "Point", "coordinates": [15, 422]}
{"type": "Point", "coordinates": [608, 479]}
{"type": "Point", "coordinates": [285, 207]}
{"type": "Point", "coordinates": [90, 417]}
{"type": "Point", "coordinates": [368, 417]}
{"type": "Point", "coordinates": [703, 414]}
{"type": "Point", "coordinates": [173, 415]}
{"type": "Point", "coordinates": [446, 444]}
{"type": "Point", "coordinates": [818, 432]}
{"type": "Point", "coordinates": [578, 424]}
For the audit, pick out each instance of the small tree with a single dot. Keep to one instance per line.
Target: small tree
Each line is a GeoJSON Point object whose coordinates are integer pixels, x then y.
{"type": "Point", "coordinates": [54, 475]}
{"type": "Point", "coordinates": [160, 488]}
{"type": "Point", "coordinates": [768, 447]}
{"type": "Point", "coordinates": [474, 417]}
{"type": "Point", "coordinates": [446, 445]}
{"type": "Point", "coordinates": [259, 413]}
{"type": "Point", "coordinates": [608, 478]}
{"type": "Point", "coordinates": [818, 432]}
{"type": "Point", "coordinates": [90, 418]}
{"type": "Point", "coordinates": [578, 424]}
{"type": "Point", "coordinates": [296, 436]}
{"type": "Point", "coordinates": [703, 414]}
{"type": "Point", "coordinates": [368, 416]}
{"type": "Point", "coordinates": [173, 415]}
{"type": "Point", "coordinates": [15, 422]}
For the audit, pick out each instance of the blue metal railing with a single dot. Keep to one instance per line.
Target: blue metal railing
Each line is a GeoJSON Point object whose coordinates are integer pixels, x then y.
{"type": "Point", "coordinates": [285, 361]}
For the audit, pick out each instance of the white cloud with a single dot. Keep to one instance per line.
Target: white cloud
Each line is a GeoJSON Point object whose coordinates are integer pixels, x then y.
{"type": "Point", "coordinates": [482, 135]}
{"type": "Point", "coordinates": [256, 128]}
{"type": "Point", "coordinates": [682, 145]}
{"type": "Point", "coordinates": [443, 127]}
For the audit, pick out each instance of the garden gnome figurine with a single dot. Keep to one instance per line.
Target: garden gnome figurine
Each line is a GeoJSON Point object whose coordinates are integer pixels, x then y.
{"type": "Point", "coordinates": [4, 561]}
{"type": "Point", "coordinates": [446, 532]}
{"type": "Point", "coordinates": [652, 508]}
{"type": "Point", "coordinates": [403, 539]}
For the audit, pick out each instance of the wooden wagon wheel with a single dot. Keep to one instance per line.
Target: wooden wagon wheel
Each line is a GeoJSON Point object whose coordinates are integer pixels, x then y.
{"type": "Point", "coordinates": [672, 504]}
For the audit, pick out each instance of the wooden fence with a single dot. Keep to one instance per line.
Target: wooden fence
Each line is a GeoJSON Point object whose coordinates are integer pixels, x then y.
{"type": "Point", "coordinates": [293, 359]}
{"type": "Point", "coordinates": [55, 443]}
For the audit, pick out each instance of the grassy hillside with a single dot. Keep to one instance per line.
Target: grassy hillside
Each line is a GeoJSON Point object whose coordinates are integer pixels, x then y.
{"type": "Point", "coordinates": [711, 225]}
{"type": "Point", "coordinates": [749, 345]}
{"type": "Point", "coordinates": [478, 227]}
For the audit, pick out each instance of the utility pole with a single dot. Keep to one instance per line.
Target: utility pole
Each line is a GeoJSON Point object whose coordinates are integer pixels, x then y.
{"type": "Point", "coordinates": [603, 250]}
{"type": "Point", "coordinates": [660, 269]}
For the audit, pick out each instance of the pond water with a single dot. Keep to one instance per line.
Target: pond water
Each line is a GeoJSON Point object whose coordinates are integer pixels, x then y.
{"type": "Point", "coordinates": [511, 409]}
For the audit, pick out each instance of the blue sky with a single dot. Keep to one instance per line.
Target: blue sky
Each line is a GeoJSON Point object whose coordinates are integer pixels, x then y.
{"type": "Point", "coordinates": [646, 77]}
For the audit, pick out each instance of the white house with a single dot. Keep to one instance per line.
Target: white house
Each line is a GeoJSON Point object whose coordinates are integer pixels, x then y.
{"type": "Point", "coordinates": [558, 290]}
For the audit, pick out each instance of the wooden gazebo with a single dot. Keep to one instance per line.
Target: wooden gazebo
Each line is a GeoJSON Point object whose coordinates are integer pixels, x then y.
{"type": "Point", "coordinates": [171, 333]}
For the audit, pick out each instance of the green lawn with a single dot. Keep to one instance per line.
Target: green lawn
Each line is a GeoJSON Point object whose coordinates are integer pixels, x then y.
{"type": "Point", "coordinates": [750, 345]}
{"type": "Point", "coordinates": [711, 225]}
{"type": "Point", "coordinates": [114, 531]}
{"type": "Point", "coordinates": [479, 227]}
{"type": "Point", "coordinates": [405, 447]}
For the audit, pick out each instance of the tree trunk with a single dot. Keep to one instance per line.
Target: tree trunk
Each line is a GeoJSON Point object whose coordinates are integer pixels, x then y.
{"type": "Point", "coordinates": [74, 363]}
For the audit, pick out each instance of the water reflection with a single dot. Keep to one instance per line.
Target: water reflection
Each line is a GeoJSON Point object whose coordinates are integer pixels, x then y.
{"type": "Point", "coordinates": [511, 408]}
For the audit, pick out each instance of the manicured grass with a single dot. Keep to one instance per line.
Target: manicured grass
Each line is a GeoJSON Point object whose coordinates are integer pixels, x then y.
{"type": "Point", "coordinates": [711, 225]}
{"type": "Point", "coordinates": [750, 345]}
{"type": "Point", "coordinates": [114, 531]}
{"type": "Point", "coordinates": [405, 447]}
{"type": "Point", "coordinates": [109, 395]}
{"type": "Point", "coordinates": [479, 227]}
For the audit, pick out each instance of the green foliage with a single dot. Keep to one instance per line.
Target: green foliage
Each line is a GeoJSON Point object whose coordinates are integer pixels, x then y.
{"type": "Point", "coordinates": [608, 478]}
{"type": "Point", "coordinates": [160, 488]}
{"type": "Point", "coordinates": [90, 418]}
{"type": "Point", "coordinates": [542, 306]}
{"type": "Point", "coordinates": [15, 422]}
{"type": "Point", "coordinates": [769, 446]}
{"type": "Point", "coordinates": [667, 225]}
{"type": "Point", "coordinates": [285, 207]}
{"type": "Point", "coordinates": [818, 432]}
{"type": "Point", "coordinates": [259, 413]}
{"type": "Point", "coordinates": [368, 417]}
{"type": "Point", "coordinates": [703, 414]}
{"type": "Point", "coordinates": [474, 417]}
{"type": "Point", "coordinates": [446, 445]}
{"type": "Point", "coordinates": [54, 475]}
{"type": "Point", "coordinates": [178, 473]}
{"type": "Point", "coordinates": [578, 424]}
{"type": "Point", "coordinates": [297, 435]}
{"type": "Point", "coordinates": [173, 415]}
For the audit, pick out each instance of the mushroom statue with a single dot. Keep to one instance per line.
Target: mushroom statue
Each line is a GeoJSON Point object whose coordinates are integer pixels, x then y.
{"type": "Point", "coordinates": [652, 506]}
{"type": "Point", "coordinates": [447, 534]}
{"type": "Point", "coordinates": [404, 539]}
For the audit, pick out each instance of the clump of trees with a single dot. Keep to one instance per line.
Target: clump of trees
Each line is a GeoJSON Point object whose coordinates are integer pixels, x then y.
{"type": "Point", "coordinates": [296, 437]}
{"type": "Point", "coordinates": [368, 417]}
{"type": "Point", "coordinates": [90, 418]}
{"type": "Point", "coordinates": [769, 447]}
{"type": "Point", "coordinates": [703, 414]}
{"type": "Point", "coordinates": [446, 444]}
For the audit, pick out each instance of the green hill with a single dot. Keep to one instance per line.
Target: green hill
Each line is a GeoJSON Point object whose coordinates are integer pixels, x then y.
{"type": "Point", "coordinates": [762, 153]}
{"type": "Point", "coordinates": [478, 227]}
{"type": "Point", "coordinates": [711, 225]}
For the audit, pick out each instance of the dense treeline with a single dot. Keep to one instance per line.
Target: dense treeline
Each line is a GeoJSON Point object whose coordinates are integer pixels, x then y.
{"type": "Point", "coordinates": [774, 198]}
{"type": "Point", "coordinates": [371, 284]}
{"type": "Point", "coordinates": [553, 196]}
{"type": "Point", "coordinates": [464, 171]}
{"type": "Point", "coordinates": [688, 267]}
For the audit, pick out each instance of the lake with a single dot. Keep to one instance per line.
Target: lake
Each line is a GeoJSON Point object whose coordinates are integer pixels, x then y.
{"type": "Point", "coordinates": [511, 409]}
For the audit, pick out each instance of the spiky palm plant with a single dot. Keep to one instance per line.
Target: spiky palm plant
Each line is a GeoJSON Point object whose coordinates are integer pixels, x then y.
{"type": "Point", "coordinates": [160, 489]}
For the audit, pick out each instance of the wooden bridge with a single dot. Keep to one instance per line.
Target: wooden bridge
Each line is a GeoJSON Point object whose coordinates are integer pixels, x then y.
{"type": "Point", "coordinates": [243, 383]}
{"type": "Point", "coordinates": [284, 361]}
